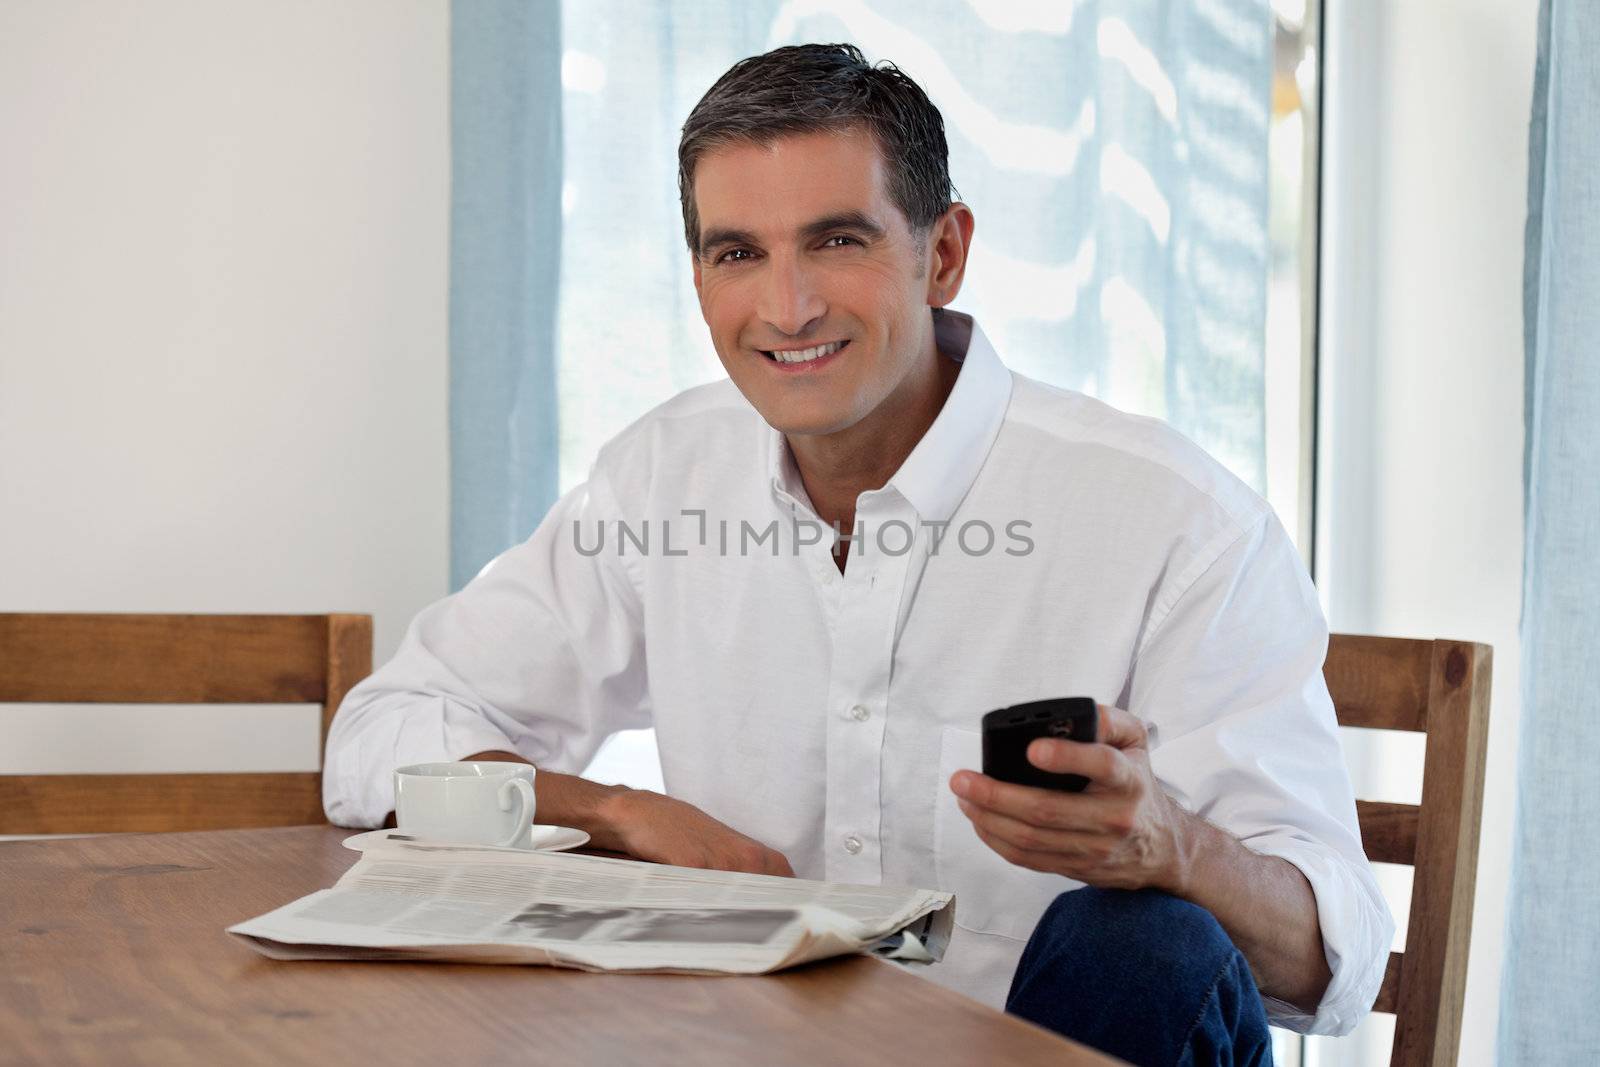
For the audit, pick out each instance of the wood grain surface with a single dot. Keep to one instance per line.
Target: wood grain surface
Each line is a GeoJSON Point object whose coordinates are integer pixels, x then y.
{"type": "Point", "coordinates": [1388, 831]}
{"type": "Point", "coordinates": [163, 659]}
{"type": "Point", "coordinates": [157, 803]}
{"type": "Point", "coordinates": [1379, 683]}
{"type": "Point", "coordinates": [1431, 992]}
{"type": "Point", "coordinates": [114, 952]}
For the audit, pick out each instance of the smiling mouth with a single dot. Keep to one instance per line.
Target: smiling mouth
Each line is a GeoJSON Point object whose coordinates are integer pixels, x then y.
{"type": "Point", "coordinates": [805, 355]}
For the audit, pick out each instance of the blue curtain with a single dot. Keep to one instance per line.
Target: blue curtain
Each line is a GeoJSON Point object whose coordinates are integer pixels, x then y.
{"type": "Point", "coordinates": [505, 237]}
{"type": "Point", "coordinates": [1115, 153]}
{"type": "Point", "coordinates": [1552, 970]}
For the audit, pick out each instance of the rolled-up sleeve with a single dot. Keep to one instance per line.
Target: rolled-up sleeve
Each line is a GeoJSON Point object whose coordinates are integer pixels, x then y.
{"type": "Point", "coordinates": [542, 655]}
{"type": "Point", "coordinates": [1230, 681]}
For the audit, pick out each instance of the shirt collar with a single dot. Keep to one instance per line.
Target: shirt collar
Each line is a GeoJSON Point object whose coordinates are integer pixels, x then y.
{"type": "Point", "coordinates": [942, 468]}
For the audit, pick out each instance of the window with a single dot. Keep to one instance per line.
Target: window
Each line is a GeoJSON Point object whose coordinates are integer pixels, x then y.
{"type": "Point", "coordinates": [1145, 207]}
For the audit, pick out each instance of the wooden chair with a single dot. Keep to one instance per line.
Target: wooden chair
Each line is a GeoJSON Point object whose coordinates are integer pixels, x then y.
{"type": "Point", "coordinates": [1441, 689]}
{"type": "Point", "coordinates": [174, 659]}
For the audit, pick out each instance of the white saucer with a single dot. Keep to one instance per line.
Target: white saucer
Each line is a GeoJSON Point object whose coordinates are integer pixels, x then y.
{"type": "Point", "coordinates": [545, 839]}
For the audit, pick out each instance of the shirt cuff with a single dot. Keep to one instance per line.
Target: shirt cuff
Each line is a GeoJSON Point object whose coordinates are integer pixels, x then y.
{"type": "Point", "coordinates": [1357, 933]}
{"type": "Point", "coordinates": [358, 776]}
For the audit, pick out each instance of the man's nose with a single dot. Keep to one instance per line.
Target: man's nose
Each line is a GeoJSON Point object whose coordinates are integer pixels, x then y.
{"type": "Point", "coordinates": [790, 301]}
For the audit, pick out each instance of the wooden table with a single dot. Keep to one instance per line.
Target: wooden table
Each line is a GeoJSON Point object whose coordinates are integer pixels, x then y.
{"type": "Point", "coordinates": [112, 950]}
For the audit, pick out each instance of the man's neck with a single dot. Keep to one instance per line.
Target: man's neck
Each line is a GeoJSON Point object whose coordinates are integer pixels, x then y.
{"type": "Point", "coordinates": [837, 468]}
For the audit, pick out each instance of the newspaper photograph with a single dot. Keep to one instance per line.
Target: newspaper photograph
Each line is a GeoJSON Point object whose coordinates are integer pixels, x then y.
{"type": "Point", "coordinates": [412, 900]}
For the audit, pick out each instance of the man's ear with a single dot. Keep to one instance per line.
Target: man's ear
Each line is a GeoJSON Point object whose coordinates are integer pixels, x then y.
{"type": "Point", "coordinates": [948, 244]}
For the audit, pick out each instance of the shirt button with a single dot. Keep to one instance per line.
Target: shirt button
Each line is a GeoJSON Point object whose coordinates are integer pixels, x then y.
{"type": "Point", "coordinates": [852, 844]}
{"type": "Point", "coordinates": [861, 713]}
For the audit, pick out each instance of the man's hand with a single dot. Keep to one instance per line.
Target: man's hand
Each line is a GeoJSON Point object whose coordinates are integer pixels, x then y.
{"type": "Point", "coordinates": [651, 826]}
{"type": "Point", "coordinates": [1122, 832]}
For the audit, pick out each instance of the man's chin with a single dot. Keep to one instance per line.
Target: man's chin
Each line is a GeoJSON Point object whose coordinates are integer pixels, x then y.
{"type": "Point", "coordinates": [808, 423]}
{"type": "Point", "coordinates": [801, 412]}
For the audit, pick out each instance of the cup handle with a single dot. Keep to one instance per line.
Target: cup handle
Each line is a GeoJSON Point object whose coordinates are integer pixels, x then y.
{"type": "Point", "coordinates": [524, 790]}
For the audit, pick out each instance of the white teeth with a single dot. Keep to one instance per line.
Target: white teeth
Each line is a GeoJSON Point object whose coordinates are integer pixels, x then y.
{"type": "Point", "coordinates": [806, 355]}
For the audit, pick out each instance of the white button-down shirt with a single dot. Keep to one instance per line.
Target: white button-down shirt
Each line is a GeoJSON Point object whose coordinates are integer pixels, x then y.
{"type": "Point", "coordinates": [1036, 543]}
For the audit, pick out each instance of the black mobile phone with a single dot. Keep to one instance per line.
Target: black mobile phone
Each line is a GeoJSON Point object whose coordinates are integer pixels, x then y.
{"type": "Point", "coordinates": [1007, 732]}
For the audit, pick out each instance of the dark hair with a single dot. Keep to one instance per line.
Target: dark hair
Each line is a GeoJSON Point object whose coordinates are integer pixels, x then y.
{"type": "Point", "coordinates": [810, 88]}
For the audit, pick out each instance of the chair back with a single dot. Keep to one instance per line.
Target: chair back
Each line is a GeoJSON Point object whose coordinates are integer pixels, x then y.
{"type": "Point", "coordinates": [1441, 689]}
{"type": "Point", "coordinates": [174, 659]}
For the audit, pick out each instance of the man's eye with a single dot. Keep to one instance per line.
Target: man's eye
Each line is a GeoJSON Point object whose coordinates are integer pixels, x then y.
{"type": "Point", "coordinates": [735, 255]}
{"type": "Point", "coordinates": [843, 237]}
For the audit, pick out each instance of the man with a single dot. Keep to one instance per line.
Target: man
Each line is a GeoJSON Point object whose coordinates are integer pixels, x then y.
{"type": "Point", "coordinates": [817, 704]}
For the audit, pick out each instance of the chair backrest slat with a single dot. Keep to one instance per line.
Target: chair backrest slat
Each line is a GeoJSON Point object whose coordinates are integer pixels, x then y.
{"type": "Point", "coordinates": [174, 659]}
{"type": "Point", "coordinates": [1379, 683]}
{"type": "Point", "coordinates": [157, 803]}
{"type": "Point", "coordinates": [1442, 689]}
{"type": "Point", "coordinates": [163, 659]}
{"type": "Point", "coordinates": [1389, 831]}
{"type": "Point", "coordinates": [1389, 992]}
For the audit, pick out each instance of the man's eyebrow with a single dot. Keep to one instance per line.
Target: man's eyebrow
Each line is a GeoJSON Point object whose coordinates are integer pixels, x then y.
{"type": "Point", "coordinates": [857, 221]}
{"type": "Point", "coordinates": [719, 237]}
{"type": "Point", "coordinates": [844, 220]}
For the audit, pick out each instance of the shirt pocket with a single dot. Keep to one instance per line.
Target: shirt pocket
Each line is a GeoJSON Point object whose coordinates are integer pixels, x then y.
{"type": "Point", "coordinates": [993, 896]}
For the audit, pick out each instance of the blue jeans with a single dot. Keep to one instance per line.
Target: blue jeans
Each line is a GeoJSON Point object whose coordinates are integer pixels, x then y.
{"type": "Point", "coordinates": [1144, 976]}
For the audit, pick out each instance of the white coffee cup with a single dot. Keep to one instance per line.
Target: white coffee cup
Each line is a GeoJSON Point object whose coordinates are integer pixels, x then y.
{"type": "Point", "coordinates": [471, 803]}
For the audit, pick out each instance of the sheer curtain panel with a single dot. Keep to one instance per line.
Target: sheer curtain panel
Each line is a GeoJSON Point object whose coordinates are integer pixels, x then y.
{"type": "Point", "coordinates": [505, 241]}
{"type": "Point", "coordinates": [1552, 968]}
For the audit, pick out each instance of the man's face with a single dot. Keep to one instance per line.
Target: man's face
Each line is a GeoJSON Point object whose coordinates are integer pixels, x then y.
{"type": "Point", "coordinates": [802, 246]}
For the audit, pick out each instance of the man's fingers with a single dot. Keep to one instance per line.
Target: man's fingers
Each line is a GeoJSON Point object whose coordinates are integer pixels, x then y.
{"type": "Point", "coordinates": [1050, 862]}
{"type": "Point", "coordinates": [772, 862]}
{"type": "Point", "coordinates": [752, 857]}
{"type": "Point", "coordinates": [1038, 807]}
{"type": "Point", "coordinates": [1121, 729]}
{"type": "Point", "coordinates": [1103, 765]}
{"type": "Point", "coordinates": [680, 834]}
{"type": "Point", "coordinates": [1029, 838]}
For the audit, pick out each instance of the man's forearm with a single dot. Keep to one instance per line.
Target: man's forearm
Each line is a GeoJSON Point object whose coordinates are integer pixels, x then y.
{"type": "Point", "coordinates": [1266, 906]}
{"type": "Point", "coordinates": [645, 824]}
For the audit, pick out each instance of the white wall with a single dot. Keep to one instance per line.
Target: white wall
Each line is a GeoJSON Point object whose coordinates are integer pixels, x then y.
{"type": "Point", "coordinates": [223, 378]}
{"type": "Point", "coordinates": [1425, 171]}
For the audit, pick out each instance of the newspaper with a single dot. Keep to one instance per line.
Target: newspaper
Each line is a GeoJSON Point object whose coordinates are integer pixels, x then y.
{"type": "Point", "coordinates": [411, 900]}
